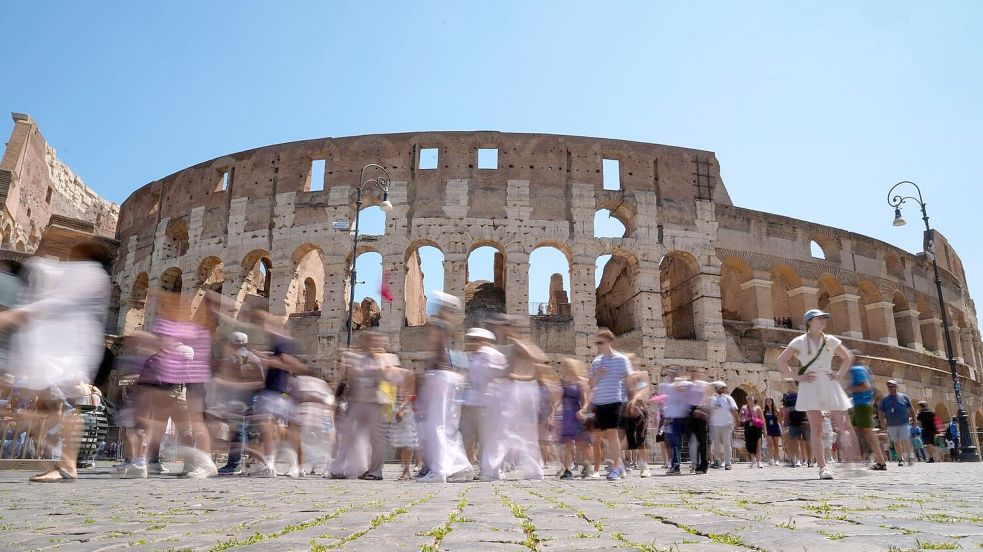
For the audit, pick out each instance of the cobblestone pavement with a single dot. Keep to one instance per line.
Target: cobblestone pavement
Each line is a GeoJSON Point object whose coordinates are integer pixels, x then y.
{"type": "Point", "coordinates": [924, 507]}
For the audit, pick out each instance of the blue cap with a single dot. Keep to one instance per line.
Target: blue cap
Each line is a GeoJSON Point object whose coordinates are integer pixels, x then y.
{"type": "Point", "coordinates": [815, 313]}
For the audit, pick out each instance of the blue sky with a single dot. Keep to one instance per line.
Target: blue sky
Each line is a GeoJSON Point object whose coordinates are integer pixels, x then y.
{"type": "Point", "coordinates": [813, 109]}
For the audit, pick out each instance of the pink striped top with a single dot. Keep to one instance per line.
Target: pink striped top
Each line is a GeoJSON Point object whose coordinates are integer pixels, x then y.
{"type": "Point", "coordinates": [173, 367]}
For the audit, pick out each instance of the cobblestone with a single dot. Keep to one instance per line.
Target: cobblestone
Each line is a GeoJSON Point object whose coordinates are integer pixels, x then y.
{"type": "Point", "coordinates": [926, 506]}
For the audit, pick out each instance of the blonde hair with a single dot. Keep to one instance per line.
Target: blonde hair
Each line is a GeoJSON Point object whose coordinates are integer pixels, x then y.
{"type": "Point", "coordinates": [573, 366]}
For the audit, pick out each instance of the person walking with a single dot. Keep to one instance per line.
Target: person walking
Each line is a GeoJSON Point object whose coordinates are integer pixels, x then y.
{"type": "Point", "coordinates": [796, 429]}
{"type": "Point", "coordinates": [819, 387]}
{"type": "Point", "coordinates": [926, 419]}
{"type": "Point", "coordinates": [861, 390]}
{"type": "Point", "coordinates": [609, 387]}
{"type": "Point", "coordinates": [897, 412]}
{"type": "Point", "coordinates": [952, 433]}
{"type": "Point", "coordinates": [773, 429]}
{"type": "Point", "coordinates": [723, 419]}
{"type": "Point", "coordinates": [573, 434]}
{"type": "Point", "coordinates": [753, 420]}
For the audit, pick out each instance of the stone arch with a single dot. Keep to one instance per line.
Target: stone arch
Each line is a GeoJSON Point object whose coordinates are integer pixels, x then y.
{"type": "Point", "coordinates": [255, 282]}
{"type": "Point", "coordinates": [417, 280]}
{"type": "Point", "coordinates": [942, 413]}
{"type": "Point", "coordinates": [136, 313]}
{"type": "Point", "coordinates": [6, 236]}
{"type": "Point", "coordinates": [869, 295]}
{"type": "Point", "coordinates": [678, 274]}
{"type": "Point", "coordinates": [830, 288]}
{"type": "Point", "coordinates": [481, 295]}
{"type": "Point", "coordinates": [555, 291]}
{"type": "Point", "coordinates": [210, 277]}
{"type": "Point", "coordinates": [19, 246]}
{"type": "Point", "coordinates": [736, 301]}
{"type": "Point", "coordinates": [176, 241]}
{"type": "Point", "coordinates": [367, 312]}
{"type": "Point", "coordinates": [618, 301]}
{"type": "Point", "coordinates": [172, 280]}
{"type": "Point", "coordinates": [304, 293]}
{"type": "Point", "coordinates": [784, 279]}
{"type": "Point", "coordinates": [827, 243]}
{"type": "Point", "coordinates": [741, 392]}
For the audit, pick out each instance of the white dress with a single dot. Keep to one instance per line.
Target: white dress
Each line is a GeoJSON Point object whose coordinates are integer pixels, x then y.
{"type": "Point", "coordinates": [822, 393]}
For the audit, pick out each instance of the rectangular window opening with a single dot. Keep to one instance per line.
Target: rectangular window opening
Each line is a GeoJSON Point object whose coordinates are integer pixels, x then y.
{"type": "Point", "coordinates": [428, 158]}
{"type": "Point", "coordinates": [224, 178]}
{"type": "Point", "coordinates": [317, 175]}
{"type": "Point", "coordinates": [611, 173]}
{"type": "Point", "coordinates": [488, 158]}
{"type": "Point", "coordinates": [47, 197]}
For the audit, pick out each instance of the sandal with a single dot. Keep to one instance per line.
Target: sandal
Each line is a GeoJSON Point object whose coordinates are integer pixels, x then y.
{"type": "Point", "coordinates": [405, 477]}
{"type": "Point", "coordinates": [63, 477]}
{"type": "Point", "coordinates": [879, 467]}
{"type": "Point", "coordinates": [369, 477]}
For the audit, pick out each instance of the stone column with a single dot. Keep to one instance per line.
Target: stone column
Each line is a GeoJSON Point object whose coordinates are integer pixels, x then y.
{"type": "Point", "coordinates": [150, 310]}
{"type": "Point", "coordinates": [583, 303]}
{"type": "Point", "coordinates": [707, 319]}
{"type": "Point", "coordinates": [957, 346]}
{"type": "Point", "coordinates": [233, 275]}
{"type": "Point", "coordinates": [909, 330]}
{"type": "Point", "coordinates": [845, 309]}
{"type": "Point", "coordinates": [932, 334]}
{"type": "Point", "coordinates": [802, 299]}
{"type": "Point", "coordinates": [394, 312]}
{"type": "Point", "coordinates": [455, 274]}
{"type": "Point", "coordinates": [334, 315]}
{"type": "Point", "coordinates": [880, 320]}
{"type": "Point", "coordinates": [967, 347]}
{"type": "Point", "coordinates": [757, 307]}
{"type": "Point", "coordinates": [517, 286]}
{"type": "Point", "coordinates": [282, 275]}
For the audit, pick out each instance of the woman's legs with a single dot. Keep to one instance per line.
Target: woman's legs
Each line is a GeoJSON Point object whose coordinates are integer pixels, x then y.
{"type": "Point", "coordinates": [816, 435]}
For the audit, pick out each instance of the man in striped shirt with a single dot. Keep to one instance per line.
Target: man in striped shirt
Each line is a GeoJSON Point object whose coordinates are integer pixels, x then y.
{"type": "Point", "coordinates": [608, 382]}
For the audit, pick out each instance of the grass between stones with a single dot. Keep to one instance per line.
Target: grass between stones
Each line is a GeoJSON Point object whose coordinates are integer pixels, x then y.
{"type": "Point", "coordinates": [438, 533]}
{"type": "Point", "coordinates": [528, 528]}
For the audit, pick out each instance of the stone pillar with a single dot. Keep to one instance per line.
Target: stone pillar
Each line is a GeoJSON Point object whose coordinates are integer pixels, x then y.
{"type": "Point", "coordinates": [967, 347]}
{"type": "Point", "coordinates": [150, 310]}
{"type": "Point", "coordinates": [517, 286]}
{"type": "Point", "coordinates": [957, 346]}
{"type": "Point", "coordinates": [802, 299]}
{"type": "Point", "coordinates": [909, 330]}
{"type": "Point", "coordinates": [932, 334]}
{"type": "Point", "coordinates": [282, 275]}
{"type": "Point", "coordinates": [394, 312]}
{"type": "Point", "coordinates": [880, 320]}
{"type": "Point", "coordinates": [583, 303]}
{"type": "Point", "coordinates": [455, 274]}
{"type": "Point", "coordinates": [334, 315]}
{"type": "Point", "coordinates": [233, 275]}
{"type": "Point", "coordinates": [845, 309]}
{"type": "Point", "coordinates": [707, 319]}
{"type": "Point", "coordinates": [757, 307]}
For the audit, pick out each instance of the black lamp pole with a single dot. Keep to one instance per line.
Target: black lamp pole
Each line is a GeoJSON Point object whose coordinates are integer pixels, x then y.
{"type": "Point", "coordinates": [381, 181]}
{"type": "Point", "coordinates": [968, 451]}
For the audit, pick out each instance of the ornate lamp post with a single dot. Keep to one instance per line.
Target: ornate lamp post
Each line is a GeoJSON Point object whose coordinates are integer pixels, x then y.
{"type": "Point", "coordinates": [381, 181]}
{"type": "Point", "coordinates": [968, 452]}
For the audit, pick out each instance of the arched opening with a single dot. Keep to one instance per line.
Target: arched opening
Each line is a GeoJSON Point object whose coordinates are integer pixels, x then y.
{"type": "Point", "coordinates": [736, 303]}
{"type": "Point", "coordinates": [930, 326]}
{"type": "Point", "coordinates": [485, 289]}
{"type": "Point", "coordinates": [549, 282]}
{"type": "Point", "coordinates": [608, 225]}
{"type": "Point", "coordinates": [372, 221]}
{"type": "Point", "coordinates": [112, 316]}
{"type": "Point", "coordinates": [784, 280]}
{"type": "Point", "coordinates": [303, 295]}
{"type": "Point", "coordinates": [210, 279]}
{"type": "Point", "coordinates": [904, 323]}
{"type": "Point", "coordinates": [829, 300]}
{"type": "Point", "coordinates": [617, 296]}
{"type": "Point", "coordinates": [424, 274]}
{"type": "Point", "coordinates": [176, 241]}
{"type": "Point", "coordinates": [367, 312]}
{"type": "Point", "coordinates": [678, 272]}
{"type": "Point", "coordinates": [869, 295]}
{"type": "Point", "coordinates": [20, 246]}
{"type": "Point", "coordinates": [816, 250]}
{"type": "Point", "coordinates": [171, 280]}
{"type": "Point", "coordinates": [257, 280]}
{"type": "Point", "coordinates": [136, 312]}
{"type": "Point", "coordinates": [5, 239]}
{"type": "Point", "coordinates": [740, 396]}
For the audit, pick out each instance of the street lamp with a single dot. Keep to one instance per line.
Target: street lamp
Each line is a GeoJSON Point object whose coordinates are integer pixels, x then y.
{"type": "Point", "coordinates": [968, 452]}
{"type": "Point", "coordinates": [382, 181]}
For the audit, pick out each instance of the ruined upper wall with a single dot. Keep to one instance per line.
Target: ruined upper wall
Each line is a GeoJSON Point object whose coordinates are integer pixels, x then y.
{"type": "Point", "coordinates": [550, 164]}
{"type": "Point", "coordinates": [35, 184]}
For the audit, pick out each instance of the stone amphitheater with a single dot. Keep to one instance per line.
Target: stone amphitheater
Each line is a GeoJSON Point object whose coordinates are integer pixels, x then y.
{"type": "Point", "coordinates": [693, 281]}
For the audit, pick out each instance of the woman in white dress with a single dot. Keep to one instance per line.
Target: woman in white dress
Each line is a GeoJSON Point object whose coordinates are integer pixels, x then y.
{"type": "Point", "coordinates": [819, 386]}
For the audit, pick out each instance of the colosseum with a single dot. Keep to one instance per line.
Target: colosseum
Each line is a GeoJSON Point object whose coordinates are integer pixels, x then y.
{"type": "Point", "coordinates": [693, 280]}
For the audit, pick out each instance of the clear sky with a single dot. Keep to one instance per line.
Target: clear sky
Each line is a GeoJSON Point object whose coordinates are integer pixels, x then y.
{"type": "Point", "coordinates": [813, 109]}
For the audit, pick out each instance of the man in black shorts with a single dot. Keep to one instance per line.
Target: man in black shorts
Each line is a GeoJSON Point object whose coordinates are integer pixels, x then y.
{"type": "Point", "coordinates": [926, 419]}
{"type": "Point", "coordinates": [796, 427]}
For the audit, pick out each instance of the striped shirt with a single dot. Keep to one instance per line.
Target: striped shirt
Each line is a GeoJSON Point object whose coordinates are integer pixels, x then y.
{"type": "Point", "coordinates": [610, 385]}
{"type": "Point", "coordinates": [173, 368]}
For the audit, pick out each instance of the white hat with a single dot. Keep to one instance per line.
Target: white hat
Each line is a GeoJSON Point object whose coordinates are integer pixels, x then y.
{"type": "Point", "coordinates": [446, 300]}
{"type": "Point", "coordinates": [480, 333]}
{"type": "Point", "coordinates": [718, 384]}
{"type": "Point", "coordinates": [239, 338]}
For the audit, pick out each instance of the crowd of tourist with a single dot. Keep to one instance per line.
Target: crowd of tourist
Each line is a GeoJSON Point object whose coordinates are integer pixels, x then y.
{"type": "Point", "coordinates": [212, 386]}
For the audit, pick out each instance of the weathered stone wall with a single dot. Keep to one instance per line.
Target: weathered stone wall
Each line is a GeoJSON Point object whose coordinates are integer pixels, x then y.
{"type": "Point", "coordinates": [695, 281]}
{"type": "Point", "coordinates": [35, 184]}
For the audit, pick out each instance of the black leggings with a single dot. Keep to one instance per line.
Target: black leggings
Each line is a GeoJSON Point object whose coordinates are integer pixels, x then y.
{"type": "Point", "coordinates": [752, 436]}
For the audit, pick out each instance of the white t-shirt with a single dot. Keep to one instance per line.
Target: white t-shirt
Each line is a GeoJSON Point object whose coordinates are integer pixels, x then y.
{"type": "Point", "coordinates": [806, 352]}
{"type": "Point", "coordinates": [722, 408]}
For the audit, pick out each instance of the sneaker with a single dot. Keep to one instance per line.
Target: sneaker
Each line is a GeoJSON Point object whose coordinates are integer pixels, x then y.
{"type": "Point", "coordinates": [200, 472]}
{"type": "Point", "coordinates": [931, 461]}
{"type": "Point", "coordinates": [715, 465]}
{"type": "Point", "coordinates": [727, 466]}
{"type": "Point", "coordinates": [594, 475]}
{"type": "Point", "coordinates": [567, 474]}
{"type": "Point", "coordinates": [901, 464]}
{"type": "Point", "coordinates": [797, 464]}
{"type": "Point", "coordinates": [879, 467]}
{"type": "Point", "coordinates": [294, 472]}
{"type": "Point", "coordinates": [230, 470]}
{"type": "Point", "coordinates": [613, 474]}
{"type": "Point", "coordinates": [463, 476]}
{"type": "Point", "coordinates": [760, 466]}
{"type": "Point", "coordinates": [810, 463]}
{"type": "Point", "coordinates": [825, 473]}
{"type": "Point", "coordinates": [157, 468]}
{"type": "Point", "coordinates": [645, 472]}
{"type": "Point", "coordinates": [132, 471]}
{"type": "Point", "coordinates": [673, 471]}
{"type": "Point", "coordinates": [584, 471]}
{"type": "Point", "coordinates": [431, 477]}
{"type": "Point", "coordinates": [265, 471]}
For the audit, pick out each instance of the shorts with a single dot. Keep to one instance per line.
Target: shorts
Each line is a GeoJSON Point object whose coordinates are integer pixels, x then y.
{"type": "Point", "coordinates": [636, 429]}
{"type": "Point", "coordinates": [798, 433]}
{"type": "Point", "coordinates": [270, 404]}
{"type": "Point", "coordinates": [863, 416]}
{"type": "Point", "coordinates": [607, 416]}
{"type": "Point", "coordinates": [660, 437]}
{"type": "Point", "coordinates": [899, 433]}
